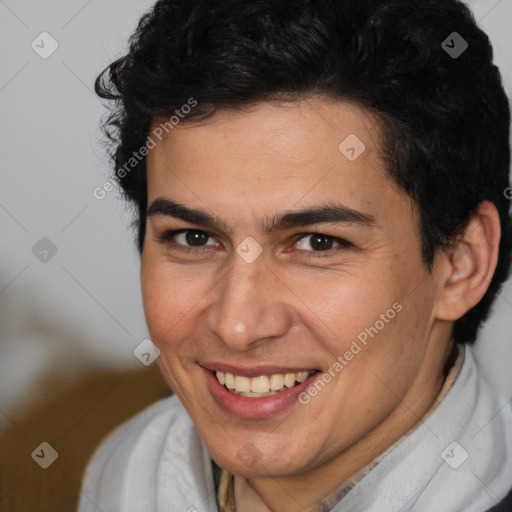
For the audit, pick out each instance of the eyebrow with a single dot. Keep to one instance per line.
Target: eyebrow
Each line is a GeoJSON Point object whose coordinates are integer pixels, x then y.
{"type": "Point", "coordinates": [329, 213]}
{"type": "Point", "coordinates": [162, 206]}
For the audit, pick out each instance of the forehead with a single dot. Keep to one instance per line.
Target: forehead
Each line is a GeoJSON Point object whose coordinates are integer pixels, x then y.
{"type": "Point", "coordinates": [286, 129]}
{"type": "Point", "coordinates": [272, 157]}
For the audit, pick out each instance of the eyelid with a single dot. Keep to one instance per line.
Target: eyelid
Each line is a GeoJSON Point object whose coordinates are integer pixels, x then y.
{"type": "Point", "coordinates": [170, 234]}
{"type": "Point", "coordinates": [341, 241]}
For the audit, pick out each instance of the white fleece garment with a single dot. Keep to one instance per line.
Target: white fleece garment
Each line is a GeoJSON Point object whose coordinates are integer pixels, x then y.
{"type": "Point", "coordinates": [156, 462]}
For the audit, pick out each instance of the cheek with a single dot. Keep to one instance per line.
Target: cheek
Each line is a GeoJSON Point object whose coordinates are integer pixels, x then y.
{"type": "Point", "coordinates": [373, 321]}
{"type": "Point", "coordinates": [170, 301]}
{"type": "Point", "coordinates": [339, 307]}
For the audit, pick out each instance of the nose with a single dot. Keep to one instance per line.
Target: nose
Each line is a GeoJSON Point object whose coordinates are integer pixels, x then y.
{"type": "Point", "coordinates": [249, 305]}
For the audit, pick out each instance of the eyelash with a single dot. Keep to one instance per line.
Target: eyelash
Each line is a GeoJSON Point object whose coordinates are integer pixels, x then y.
{"type": "Point", "coordinates": [168, 236]}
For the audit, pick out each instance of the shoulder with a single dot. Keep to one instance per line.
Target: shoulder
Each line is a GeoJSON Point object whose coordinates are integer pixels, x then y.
{"type": "Point", "coordinates": [503, 506]}
{"type": "Point", "coordinates": [487, 442]}
{"type": "Point", "coordinates": [136, 443]}
{"type": "Point", "coordinates": [155, 420]}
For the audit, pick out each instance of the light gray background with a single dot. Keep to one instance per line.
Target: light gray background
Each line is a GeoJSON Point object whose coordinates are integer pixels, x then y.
{"type": "Point", "coordinates": [82, 308]}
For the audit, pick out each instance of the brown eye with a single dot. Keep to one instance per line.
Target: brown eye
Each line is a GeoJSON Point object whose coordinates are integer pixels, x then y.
{"type": "Point", "coordinates": [188, 238]}
{"type": "Point", "coordinates": [318, 242]}
{"type": "Point", "coordinates": [321, 242]}
{"type": "Point", "coordinates": [196, 238]}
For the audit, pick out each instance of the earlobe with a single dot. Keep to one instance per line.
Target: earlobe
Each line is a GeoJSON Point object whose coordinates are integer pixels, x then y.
{"type": "Point", "coordinates": [469, 265]}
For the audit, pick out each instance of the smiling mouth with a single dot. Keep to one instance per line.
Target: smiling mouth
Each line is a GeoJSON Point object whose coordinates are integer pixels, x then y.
{"type": "Point", "coordinates": [263, 385]}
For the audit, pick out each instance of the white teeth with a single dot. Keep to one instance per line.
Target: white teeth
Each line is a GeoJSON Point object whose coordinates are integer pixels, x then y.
{"type": "Point", "coordinates": [261, 386]}
{"type": "Point", "coordinates": [276, 382]}
{"type": "Point", "coordinates": [242, 384]}
{"type": "Point", "coordinates": [302, 376]}
{"type": "Point", "coordinates": [230, 380]}
{"type": "Point", "coordinates": [257, 395]}
{"type": "Point", "coordinates": [289, 380]}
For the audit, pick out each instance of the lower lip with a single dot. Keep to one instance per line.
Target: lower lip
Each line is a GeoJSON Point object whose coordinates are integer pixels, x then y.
{"type": "Point", "coordinates": [251, 407]}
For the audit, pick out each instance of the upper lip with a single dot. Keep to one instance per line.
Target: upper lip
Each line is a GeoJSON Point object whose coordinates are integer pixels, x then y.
{"type": "Point", "coordinates": [254, 370]}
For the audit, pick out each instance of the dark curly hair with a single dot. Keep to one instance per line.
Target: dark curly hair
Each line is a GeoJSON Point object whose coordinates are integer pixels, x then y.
{"type": "Point", "coordinates": [445, 117]}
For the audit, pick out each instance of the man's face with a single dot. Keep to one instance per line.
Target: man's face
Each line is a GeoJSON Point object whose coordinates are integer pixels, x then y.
{"type": "Point", "coordinates": [345, 276]}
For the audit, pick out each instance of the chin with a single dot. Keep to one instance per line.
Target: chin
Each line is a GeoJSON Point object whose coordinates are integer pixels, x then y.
{"type": "Point", "coordinates": [251, 462]}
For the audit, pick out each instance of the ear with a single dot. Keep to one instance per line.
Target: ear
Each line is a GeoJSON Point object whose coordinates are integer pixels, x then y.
{"type": "Point", "coordinates": [467, 268]}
